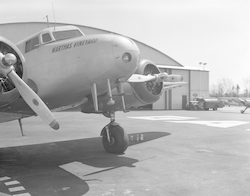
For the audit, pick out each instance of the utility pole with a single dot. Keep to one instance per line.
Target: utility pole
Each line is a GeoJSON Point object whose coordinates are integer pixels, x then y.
{"type": "Point", "coordinates": [202, 67]}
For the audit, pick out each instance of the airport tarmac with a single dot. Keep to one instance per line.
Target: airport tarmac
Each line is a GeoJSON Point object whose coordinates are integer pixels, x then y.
{"type": "Point", "coordinates": [189, 153]}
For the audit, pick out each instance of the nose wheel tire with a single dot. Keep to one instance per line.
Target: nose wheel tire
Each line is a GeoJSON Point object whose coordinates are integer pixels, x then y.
{"type": "Point", "coordinates": [118, 140]}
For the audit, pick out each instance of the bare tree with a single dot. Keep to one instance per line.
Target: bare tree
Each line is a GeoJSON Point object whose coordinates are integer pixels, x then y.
{"type": "Point", "coordinates": [213, 91]}
{"type": "Point", "coordinates": [237, 89]}
{"type": "Point", "coordinates": [224, 87]}
{"type": "Point", "coordinates": [246, 83]}
{"type": "Point", "coordinates": [227, 86]}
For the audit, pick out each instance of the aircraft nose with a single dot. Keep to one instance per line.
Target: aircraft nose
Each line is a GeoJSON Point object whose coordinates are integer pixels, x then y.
{"type": "Point", "coordinates": [126, 53]}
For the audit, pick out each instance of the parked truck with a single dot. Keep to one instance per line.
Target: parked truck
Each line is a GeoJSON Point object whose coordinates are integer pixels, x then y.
{"type": "Point", "coordinates": [204, 104]}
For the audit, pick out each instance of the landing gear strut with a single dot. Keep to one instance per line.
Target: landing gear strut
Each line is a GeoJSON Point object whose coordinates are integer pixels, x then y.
{"type": "Point", "coordinates": [114, 137]}
{"type": "Point", "coordinates": [242, 111]}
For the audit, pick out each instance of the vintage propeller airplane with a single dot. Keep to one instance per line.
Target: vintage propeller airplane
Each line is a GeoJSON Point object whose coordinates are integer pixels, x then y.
{"type": "Point", "coordinates": [60, 68]}
{"type": "Point", "coordinates": [246, 103]}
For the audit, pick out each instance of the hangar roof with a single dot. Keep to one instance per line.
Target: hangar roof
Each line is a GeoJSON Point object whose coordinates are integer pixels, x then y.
{"type": "Point", "coordinates": [25, 29]}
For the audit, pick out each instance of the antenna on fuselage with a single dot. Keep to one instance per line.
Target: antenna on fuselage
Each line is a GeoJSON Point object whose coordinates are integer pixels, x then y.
{"type": "Point", "coordinates": [54, 16]}
{"type": "Point", "coordinates": [47, 20]}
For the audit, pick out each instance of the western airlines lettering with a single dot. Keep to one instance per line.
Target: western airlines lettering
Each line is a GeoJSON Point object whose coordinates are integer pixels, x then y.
{"type": "Point", "coordinates": [74, 45]}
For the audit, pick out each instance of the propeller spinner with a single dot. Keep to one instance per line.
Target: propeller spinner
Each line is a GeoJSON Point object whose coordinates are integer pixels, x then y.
{"type": "Point", "coordinates": [31, 98]}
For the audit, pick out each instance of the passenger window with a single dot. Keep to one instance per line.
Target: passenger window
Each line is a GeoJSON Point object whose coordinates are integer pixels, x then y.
{"type": "Point", "coordinates": [46, 37]}
{"type": "Point", "coordinates": [31, 44]}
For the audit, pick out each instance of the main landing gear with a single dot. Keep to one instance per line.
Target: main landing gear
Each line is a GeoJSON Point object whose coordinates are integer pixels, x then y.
{"type": "Point", "coordinates": [242, 111]}
{"type": "Point", "coordinates": [114, 137]}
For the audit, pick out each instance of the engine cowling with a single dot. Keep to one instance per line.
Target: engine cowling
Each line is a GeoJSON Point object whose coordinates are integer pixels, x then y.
{"type": "Point", "coordinates": [148, 92]}
{"type": "Point", "coordinates": [135, 94]}
{"type": "Point", "coordinates": [8, 91]}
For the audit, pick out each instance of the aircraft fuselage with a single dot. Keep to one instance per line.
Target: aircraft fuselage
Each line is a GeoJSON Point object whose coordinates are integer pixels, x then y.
{"type": "Point", "coordinates": [63, 71]}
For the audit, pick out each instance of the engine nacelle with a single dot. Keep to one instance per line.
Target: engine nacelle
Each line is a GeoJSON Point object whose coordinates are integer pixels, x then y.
{"type": "Point", "coordinates": [8, 92]}
{"type": "Point", "coordinates": [135, 94]}
{"type": "Point", "coordinates": [148, 92]}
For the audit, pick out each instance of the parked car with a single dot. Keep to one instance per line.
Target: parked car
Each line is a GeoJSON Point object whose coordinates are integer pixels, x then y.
{"type": "Point", "coordinates": [204, 104]}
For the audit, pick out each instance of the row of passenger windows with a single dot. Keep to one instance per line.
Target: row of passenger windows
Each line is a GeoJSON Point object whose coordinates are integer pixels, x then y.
{"type": "Point", "coordinates": [58, 35]}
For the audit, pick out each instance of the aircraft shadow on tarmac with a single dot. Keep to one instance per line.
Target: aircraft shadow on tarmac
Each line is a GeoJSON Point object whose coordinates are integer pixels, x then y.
{"type": "Point", "coordinates": [36, 167]}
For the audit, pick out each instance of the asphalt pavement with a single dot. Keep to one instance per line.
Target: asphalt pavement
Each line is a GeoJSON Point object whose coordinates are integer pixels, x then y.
{"type": "Point", "coordinates": [178, 152]}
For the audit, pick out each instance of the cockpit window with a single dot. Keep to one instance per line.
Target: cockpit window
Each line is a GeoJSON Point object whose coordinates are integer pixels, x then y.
{"type": "Point", "coordinates": [46, 38]}
{"type": "Point", "coordinates": [31, 44]}
{"type": "Point", "coordinates": [60, 35]}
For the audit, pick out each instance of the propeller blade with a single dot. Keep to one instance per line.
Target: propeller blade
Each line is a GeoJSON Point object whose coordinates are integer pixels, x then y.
{"type": "Point", "coordinates": [33, 100]}
{"type": "Point", "coordinates": [30, 97]}
{"type": "Point", "coordinates": [137, 78]}
{"type": "Point", "coordinates": [161, 77]}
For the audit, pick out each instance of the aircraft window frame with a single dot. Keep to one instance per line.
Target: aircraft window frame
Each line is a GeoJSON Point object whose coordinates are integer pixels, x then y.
{"type": "Point", "coordinates": [46, 39]}
{"type": "Point", "coordinates": [32, 44]}
{"type": "Point", "coordinates": [67, 34]}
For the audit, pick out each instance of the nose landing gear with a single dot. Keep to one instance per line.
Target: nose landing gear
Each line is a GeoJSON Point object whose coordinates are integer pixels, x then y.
{"type": "Point", "coordinates": [114, 137]}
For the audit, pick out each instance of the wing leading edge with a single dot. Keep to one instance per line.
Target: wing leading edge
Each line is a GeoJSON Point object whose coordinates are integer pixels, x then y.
{"type": "Point", "coordinates": [162, 77]}
{"type": "Point", "coordinates": [171, 85]}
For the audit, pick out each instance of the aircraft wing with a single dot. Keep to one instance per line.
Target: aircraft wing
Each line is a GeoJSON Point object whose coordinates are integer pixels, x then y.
{"type": "Point", "coordinates": [245, 102]}
{"type": "Point", "coordinates": [171, 85]}
{"type": "Point", "coordinates": [5, 117]}
{"type": "Point", "coordinates": [162, 77]}
{"type": "Point", "coordinates": [242, 101]}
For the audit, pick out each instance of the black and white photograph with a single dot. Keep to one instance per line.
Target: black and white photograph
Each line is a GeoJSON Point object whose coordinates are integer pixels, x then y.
{"type": "Point", "coordinates": [125, 98]}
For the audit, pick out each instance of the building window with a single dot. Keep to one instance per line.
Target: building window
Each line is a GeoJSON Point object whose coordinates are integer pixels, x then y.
{"type": "Point", "coordinates": [31, 44]}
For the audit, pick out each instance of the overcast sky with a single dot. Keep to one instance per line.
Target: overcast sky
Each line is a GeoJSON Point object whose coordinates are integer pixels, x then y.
{"type": "Point", "coordinates": [216, 32]}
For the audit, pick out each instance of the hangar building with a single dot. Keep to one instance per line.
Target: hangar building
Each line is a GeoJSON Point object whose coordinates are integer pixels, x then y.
{"type": "Point", "coordinates": [198, 79]}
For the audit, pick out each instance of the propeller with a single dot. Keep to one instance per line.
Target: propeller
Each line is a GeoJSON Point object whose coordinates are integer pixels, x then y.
{"type": "Point", "coordinates": [137, 78]}
{"type": "Point", "coordinates": [161, 77]}
{"type": "Point", "coordinates": [30, 97]}
{"type": "Point", "coordinates": [154, 81]}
